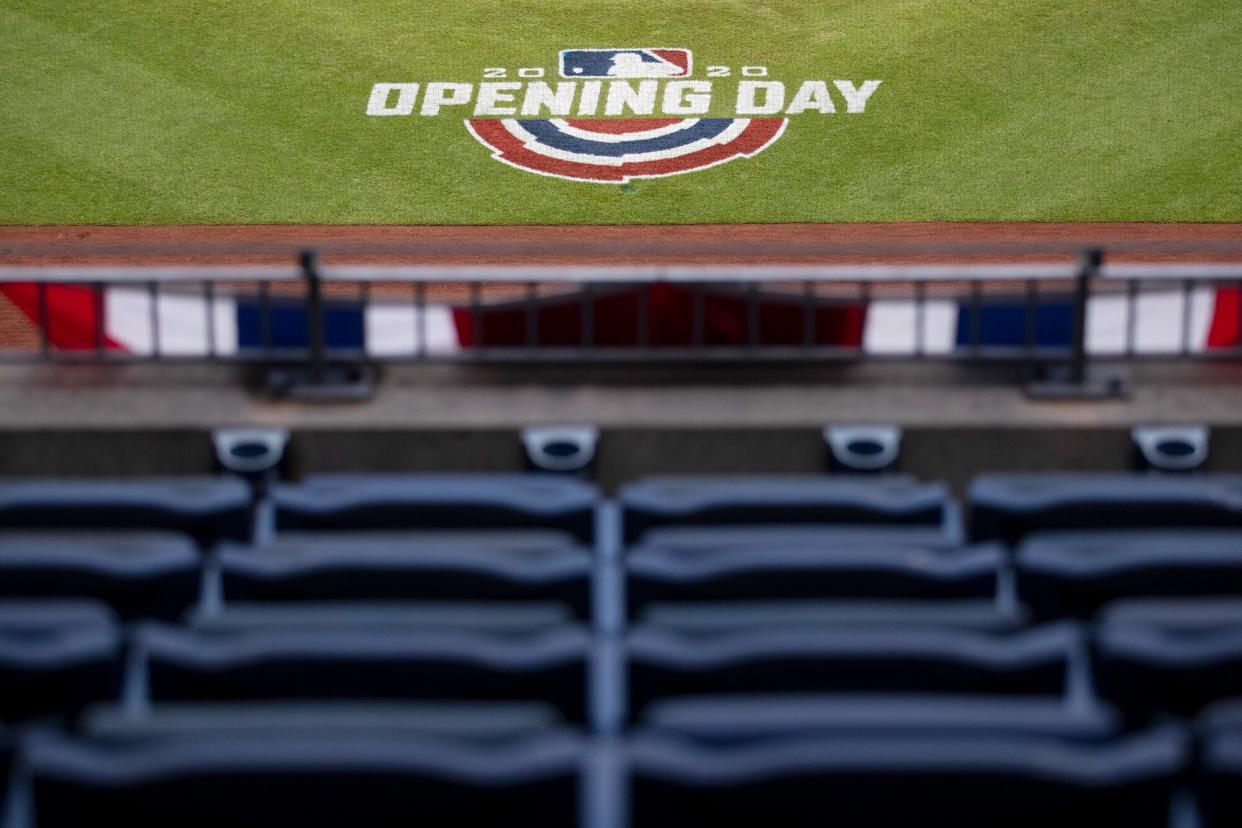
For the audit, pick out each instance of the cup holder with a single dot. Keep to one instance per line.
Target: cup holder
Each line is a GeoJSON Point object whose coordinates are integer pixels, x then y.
{"type": "Point", "coordinates": [250, 451]}
{"type": "Point", "coordinates": [560, 449]}
{"type": "Point", "coordinates": [862, 448]}
{"type": "Point", "coordinates": [1171, 448]}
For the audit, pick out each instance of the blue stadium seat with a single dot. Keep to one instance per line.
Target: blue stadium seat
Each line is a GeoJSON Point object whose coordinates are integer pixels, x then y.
{"type": "Point", "coordinates": [8, 747]}
{"type": "Point", "coordinates": [709, 618]}
{"type": "Point", "coordinates": [1170, 656]}
{"type": "Point", "coordinates": [152, 574]}
{"type": "Point", "coordinates": [1223, 715]}
{"type": "Point", "coordinates": [204, 507]}
{"type": "Point", "coordinates": [511, 617]}
{"type": "Point", "coordinates": [697, 501]}
{"type": "Point", "coordinates": [709, 540]}
{"type": "Point", "coordinates": [437, 501]}
{"type": "Point", "coordinates": [483, 566]}
{"type": "Point", "coordinates": [459, 720]}
{"type": "Point", "coordinates": [56, 656]}
{"type": "Point", "coordinates": [1007, 507]}
{"type": "Point", "coordinates": [665, 664]}
{"type": "Point", "coordinates": [899, 781]}
{"type": "Point", "coordinates": [1221, 774]}
{"type": "Point", "coordinates": [306, 779]}
{"type": "Point", "coordinates": [848, 568]}
{"type": "Point", "coordinates": [727, 719]}
{"type": "Point", "coordinates": [1221, 786]}
{"type": "Point", "coordinates": [1074, 574]}
{"type": "Point", "coordinates": [371, 663]}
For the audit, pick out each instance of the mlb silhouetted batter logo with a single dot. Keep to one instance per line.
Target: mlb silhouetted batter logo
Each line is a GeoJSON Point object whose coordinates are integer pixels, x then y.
{"type": "Point", "coordinates": [622, 113]}
{"type": "Point", "coordinates": [625, 63]}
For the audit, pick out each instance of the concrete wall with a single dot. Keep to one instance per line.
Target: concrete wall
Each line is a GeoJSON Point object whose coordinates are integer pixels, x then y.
{"type": "Point", "coordinates": [954, 454]}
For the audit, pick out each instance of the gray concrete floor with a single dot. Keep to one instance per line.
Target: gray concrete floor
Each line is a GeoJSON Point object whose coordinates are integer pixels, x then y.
{"type": "Point", "coordinates": [481, 397]}
{"type": "Point", "coordinates": [156, 419]}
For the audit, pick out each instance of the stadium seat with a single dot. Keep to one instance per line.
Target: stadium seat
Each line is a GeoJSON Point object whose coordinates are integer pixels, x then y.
{"type": "Point", "coordinates": [8, 746]}
{"type": "Point", "coordinates": [56, 656]}
{"type": "Point", "coordinates": [153, 574]}
{"type": "Point", "coordinates": [696, 501]}
{"type": "Point", "coordinates": [706, 617]}
{"type": "Point", "coordinates": [710, 540]}
{"type": "Point", "coordinates": [204, 507]}
{"type": "Point", "coordinates": [308, 779]}
{"type": "Point", "coordinates": [1221, 716]}
{"type": "Point", "coordinates": [484, 616]}
{"type": "Point", "coordinates": [1074, 574]}
{"type": "Point", "coordinates": [742, 718]}
{"type": "Point", "coordinates": [1007, 507]}
{"type": "Point", "coordinates": [1221, 774]}
{"type": "Point", "coordinates": [700, 580]}
{"type": "Point", "coordinates": [458, 720]}
{"type": "Point", "coordinates": [1170, 656]}
{"type": "Point", "coordinates": [1221, 786]}
{"type": "Point", "coordinates": [904, 780]}
{"type": "Point", "coordinates": [849, 569]}
{"type": "Point", "coordinates": [366, 663]}
{"type": "Point", "coordinates": [483, 566]}
{"type": "Point", "coordinates": [437, 501]}
{"type": "Point", "coordinates": [665, 664]}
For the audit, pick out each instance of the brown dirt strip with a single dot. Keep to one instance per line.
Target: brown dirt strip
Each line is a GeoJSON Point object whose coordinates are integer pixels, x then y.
{"type": "Point", "coordinates": [664, 244]}
{"type": "Point", "coordinates": [15, 330]}
{"type": "Point", "coordinates": [709, 244]}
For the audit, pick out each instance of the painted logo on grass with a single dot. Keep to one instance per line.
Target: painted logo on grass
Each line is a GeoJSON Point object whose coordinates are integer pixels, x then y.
{"type": "Point", "coordinates": [613, 152]}
{"type": "Point", "coordinates": [625, 63]}
{"type": "Point", "coordinates": [623, 113]}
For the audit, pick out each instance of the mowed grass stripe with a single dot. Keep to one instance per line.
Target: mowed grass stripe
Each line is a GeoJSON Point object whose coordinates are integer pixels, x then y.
{"type": "Point", "coordinates": [191, 111]}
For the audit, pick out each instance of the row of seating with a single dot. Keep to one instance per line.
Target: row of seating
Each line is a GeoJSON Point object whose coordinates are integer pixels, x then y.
{"type": "Point", "coordinates": [1003, 507]}
{"type": "Point", "coordinates": [1051, 575]}
{"type": "Point", "coordinates": [484, 648]}
{"type": "Point", "coordinates": [380, 766]}
{"type": "Point", "coordinates": [1148, 658]}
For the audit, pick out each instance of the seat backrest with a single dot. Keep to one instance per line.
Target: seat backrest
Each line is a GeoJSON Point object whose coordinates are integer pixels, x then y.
{"type": "Point", "coordinates": [736, 718]}
{"type": "Point", "coordinates": [1074, 574]}
{"type": "Point", "coordinates": [1007, 507]}
{"type": "Point", "coordinates": [371, 663]}
{"type": "Point", "coordinates": [852, 570]}
{"type": "Point", "coordinates": [138, 573]}
{"type": "Point", "coordinates": [56, 657]}
{"type": "Point", "coordinates": [320, 779]}
{"type": "Point", "coordinates": [696, 501]}
{"type": "Point", "coordinates": [1027, 782]}
{"type": "Point", "coordinates": [1220, 793]}
{"type": "Point", "coordinates": [713, 618]}
{"type": "Point", "coordinates": [666, 664]}
{"type": "Point", "coordinates": [483, 721]}
{"type": "Point", "coordinates": [357, 566]}
{"type": "Point", "coordinates": [1169, 656]}
{"type": "Point", "coordinates": [508, 617]}
{"type": "Point", "coordinates": [437, 501]}
{"type": "Point", "coordinates": [206, 508]}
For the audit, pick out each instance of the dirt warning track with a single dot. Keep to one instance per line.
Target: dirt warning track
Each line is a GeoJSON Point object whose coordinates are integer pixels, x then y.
{"type": "Point", "coordinates": [636, 244]}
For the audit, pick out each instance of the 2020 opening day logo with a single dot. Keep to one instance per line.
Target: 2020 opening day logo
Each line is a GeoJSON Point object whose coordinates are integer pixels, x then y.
{"type": "Point", "coordinates": [651, 103]}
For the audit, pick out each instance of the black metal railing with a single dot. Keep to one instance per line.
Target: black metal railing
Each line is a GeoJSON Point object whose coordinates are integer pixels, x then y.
{"type": "Point", "coordinates": [641, 313]}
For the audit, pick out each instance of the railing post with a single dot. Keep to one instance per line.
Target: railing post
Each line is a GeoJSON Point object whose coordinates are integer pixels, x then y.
{"type": "Point", "coordinates": [314, 314]}
{"type": "Point", "coordinates": [315, 380]}
{"type": "Point", "coordinates": [1089, 262]}
{"type": "Point", "coordinates": [1077, 380]}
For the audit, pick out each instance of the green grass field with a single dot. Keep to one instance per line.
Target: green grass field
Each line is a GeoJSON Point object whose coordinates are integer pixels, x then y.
{"type": "Point", "coordinates": [214, 111]}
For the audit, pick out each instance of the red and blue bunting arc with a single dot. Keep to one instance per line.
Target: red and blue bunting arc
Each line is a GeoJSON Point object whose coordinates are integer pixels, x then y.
{"type": "Point", "coordinates": [616, 151]}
